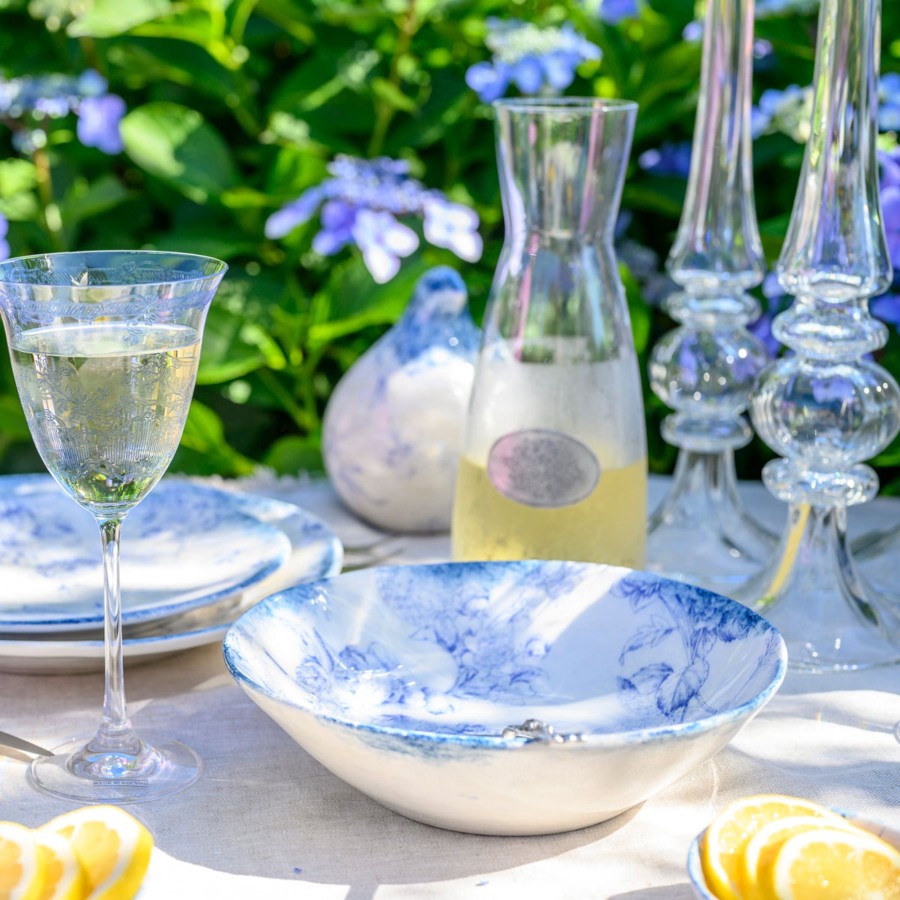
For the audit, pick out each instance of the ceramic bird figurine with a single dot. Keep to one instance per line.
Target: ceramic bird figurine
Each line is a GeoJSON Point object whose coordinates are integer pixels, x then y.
{"type": "Point", "coordinates": [392, 430]}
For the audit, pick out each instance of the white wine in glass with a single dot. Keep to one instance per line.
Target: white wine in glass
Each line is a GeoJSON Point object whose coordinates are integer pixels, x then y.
{"type": "Point", "coordinates": [105, 347]}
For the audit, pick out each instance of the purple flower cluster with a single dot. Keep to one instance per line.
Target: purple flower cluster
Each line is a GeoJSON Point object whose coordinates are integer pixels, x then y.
{"type": "Point", "coordinates": [789, 110]}
{"type": "Point", "coordinates": [534, 59]}
{"type": "Point", "coordinates": [890, 202]}
{"type": "Point", "coordinates": [775, 302]}
{"type": "Point", "coordinates": [668, 159]}
{"type": "Point", "coordinates": [889, 102]}
{"type": "Point", "coordinates": [4, 243]}
{"type": "Point", "coordinates": [27, 104]}
{"type": "Point", "coordinates": [613, 11]}
{"type": "Point", "coordinates": [360, 204]}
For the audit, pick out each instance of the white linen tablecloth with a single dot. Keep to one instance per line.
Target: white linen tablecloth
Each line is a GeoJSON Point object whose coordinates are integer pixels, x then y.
{"type": "Point", "coordinates": [264, 808]}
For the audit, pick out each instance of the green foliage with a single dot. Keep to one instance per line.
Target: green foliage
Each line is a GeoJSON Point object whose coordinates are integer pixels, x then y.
{"type": "Point", "coordinates": [236, 106]}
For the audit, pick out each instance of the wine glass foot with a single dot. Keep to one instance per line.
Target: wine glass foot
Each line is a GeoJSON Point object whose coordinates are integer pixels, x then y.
{"type": "Point", "coordinates": [159, 767]}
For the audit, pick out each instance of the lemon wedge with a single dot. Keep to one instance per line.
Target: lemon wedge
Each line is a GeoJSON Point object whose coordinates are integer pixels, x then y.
{"type": "Point", "coordinates": [64, 879]}
{"type": "Point", "coordinates": [21, 872]}
{"type": "Point", "coordinates": [112, 847]}
{"type": "Point", "coordinates": [725, 840]}
{"type": "Point", "coordinates": [832, 864]}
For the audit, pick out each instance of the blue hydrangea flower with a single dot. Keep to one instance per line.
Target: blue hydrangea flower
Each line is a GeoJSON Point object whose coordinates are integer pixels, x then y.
{"type": "Point", "coordinates": [360, 204]}
{"type": "Point", "coordinates": [889, 102]}
{"type": "Point", "coordinates": [775, 301]}
{"type": "Point", "coordinates": [613, 11]}
{"type": "Point", "coordinates": [788, 111]}
{"type": "Point", "coordinates": [4, 243]}
{"type": "Point", "coordinates": [667, 159]}
{"type": "Point", "coordinates": [890, 203]}
{"type": "Point", "coordinates": [692, 33]}
{"type": "Point", "coordinates": [887, 308]}
{"type": "Point", "coordinates": [534, 59]}
{"type": "Point", "coordinates": [383, 241]}
{"type": "Point", "coordinates": [98, 122]}
{"type": "Point", "coordinates": [27, 104]}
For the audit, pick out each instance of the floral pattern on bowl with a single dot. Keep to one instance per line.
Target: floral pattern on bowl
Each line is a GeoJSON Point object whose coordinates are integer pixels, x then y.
{"type": "Point", "coordinates": [416, 684]}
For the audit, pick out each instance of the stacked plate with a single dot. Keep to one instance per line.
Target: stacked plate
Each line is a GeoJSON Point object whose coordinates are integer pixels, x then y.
{"type": "Point", "coordinates": [193, 559]}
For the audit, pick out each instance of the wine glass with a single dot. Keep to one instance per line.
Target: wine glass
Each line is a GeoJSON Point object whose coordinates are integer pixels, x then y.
{"type": "Point", "coordinates": [104, 348]}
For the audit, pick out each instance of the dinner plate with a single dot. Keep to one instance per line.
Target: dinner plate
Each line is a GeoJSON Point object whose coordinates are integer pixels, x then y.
{"type": "Point", "coordinates": [315, 553]}
{"type": "Point", "coordinates": [185, 546]}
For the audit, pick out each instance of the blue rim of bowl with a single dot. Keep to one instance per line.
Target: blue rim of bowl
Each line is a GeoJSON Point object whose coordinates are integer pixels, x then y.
{"type": "Point", "coordinates": [58, 625]}
{"type": "Point", "coordinates": [654, 734]}
{"type": "Point", "coordinates": [695, 869]}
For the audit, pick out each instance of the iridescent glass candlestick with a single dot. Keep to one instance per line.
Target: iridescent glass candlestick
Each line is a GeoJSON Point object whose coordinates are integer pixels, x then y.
{"type": "Point", "coordinates": [705, 369]}
{"type": "Point", "coordinates": [826, 408]}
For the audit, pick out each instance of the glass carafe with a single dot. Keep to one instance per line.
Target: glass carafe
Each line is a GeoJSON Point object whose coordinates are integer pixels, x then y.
{"type": "Point", "coordinates": [554, 456]}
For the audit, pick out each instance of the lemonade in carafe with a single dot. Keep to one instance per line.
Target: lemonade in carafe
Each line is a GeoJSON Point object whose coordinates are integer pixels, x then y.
{"type": "Point", "coordinates": [554, 460]}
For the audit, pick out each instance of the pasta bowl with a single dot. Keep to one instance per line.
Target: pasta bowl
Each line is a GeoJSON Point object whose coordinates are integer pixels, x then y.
{"type": "Point", "coordinates": [510, 698]}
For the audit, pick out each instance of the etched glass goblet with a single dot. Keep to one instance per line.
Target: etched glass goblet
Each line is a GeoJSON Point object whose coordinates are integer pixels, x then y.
{"type": "Point", "coordinates": [104, 348]}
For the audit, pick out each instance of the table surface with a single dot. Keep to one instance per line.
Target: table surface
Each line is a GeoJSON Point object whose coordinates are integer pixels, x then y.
{"type": "Point", "coordinates": [264, 808]}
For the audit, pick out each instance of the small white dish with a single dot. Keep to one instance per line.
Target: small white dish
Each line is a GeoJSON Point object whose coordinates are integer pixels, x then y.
{"type": "Point", "coordinates": [316, 552]}
{"type": "Point", "coordinates": [506, 697]}
{"type": "Point", "coordinates": [185, 546]}
{"type": "Point", "coordinates": [695, 867]}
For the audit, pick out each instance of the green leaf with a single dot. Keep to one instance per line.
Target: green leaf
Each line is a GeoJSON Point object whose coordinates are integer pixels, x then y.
{"type": "Point", "coordinates": [179, 147]}
{"type": "Point", "coordinates": [85, 200]}
{"type": "Point", "coordinates": [229, 349]}
{"type": "Point", "coordinates": [20, 208]}
{"type": "Point", "coordinates": [18, 180]}
{"type": "Point", "coordinates": [17, 176]}
{"type": "Point", "coordinates": [208, 451]}
{"type": "Point", "coordinates": [294, 454]}
{"type": "Point", "coordinates": [151, 60]}
{"type": "Point", "coordinates": [15, 428]}
{"type": "Point", "coordinates": [352, 301]}
{"type": "Point", "coordinates": [108, 18]}
{"type": "Point", "coordinates": [638, 310]}
{"type": "Point", "coordinates": [390, 93]}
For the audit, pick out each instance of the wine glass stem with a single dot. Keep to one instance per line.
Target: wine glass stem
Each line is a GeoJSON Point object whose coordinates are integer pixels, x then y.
{"type": "Point", "coordinates": [115, 728]}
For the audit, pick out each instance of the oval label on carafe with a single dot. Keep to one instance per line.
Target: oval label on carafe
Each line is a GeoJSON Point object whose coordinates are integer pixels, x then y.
{"type": "Point", "coordinates": [544, 468]}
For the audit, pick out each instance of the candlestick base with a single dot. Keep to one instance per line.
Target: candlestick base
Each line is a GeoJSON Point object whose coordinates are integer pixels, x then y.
{"type": "Point", "coordinates": [813, 593]}
{"type": "Point", "coordinates": [700, 532]}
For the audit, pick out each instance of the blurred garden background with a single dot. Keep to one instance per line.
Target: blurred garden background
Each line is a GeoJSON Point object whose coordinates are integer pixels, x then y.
{"type": "Point", "coordinates": [331, 151]}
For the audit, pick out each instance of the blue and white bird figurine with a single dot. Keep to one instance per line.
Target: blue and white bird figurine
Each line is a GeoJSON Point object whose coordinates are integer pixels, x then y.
{"type": "Point", "coordinates": [393, 426]}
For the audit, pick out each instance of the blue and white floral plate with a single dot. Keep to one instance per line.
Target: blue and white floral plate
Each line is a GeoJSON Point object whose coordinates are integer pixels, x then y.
{"type": "Point", "coordinates": [183, 547]}
{"type": "Point", "coordinates": [508, 697]}
{"type": "Point", "coordinates": [315, 552]}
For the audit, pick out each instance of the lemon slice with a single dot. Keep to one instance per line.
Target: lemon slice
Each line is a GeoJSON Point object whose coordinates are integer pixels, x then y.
{"type": "Point", "coordinates": [21, 873]}
{"type": "Point", "coordinates": [112, 846]}
{"type": "Point", "coordinates": [762, 847]}
{"type": "Point", "coordinates": [64, 878]}
{"type": "Point", "coordinates": [832, 864]}
{"type": "Point", "coordinates": [724, 841]}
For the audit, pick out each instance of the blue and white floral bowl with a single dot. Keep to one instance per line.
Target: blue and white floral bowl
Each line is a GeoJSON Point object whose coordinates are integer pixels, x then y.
{"type": "Point", "coordinates": [506, 697]}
